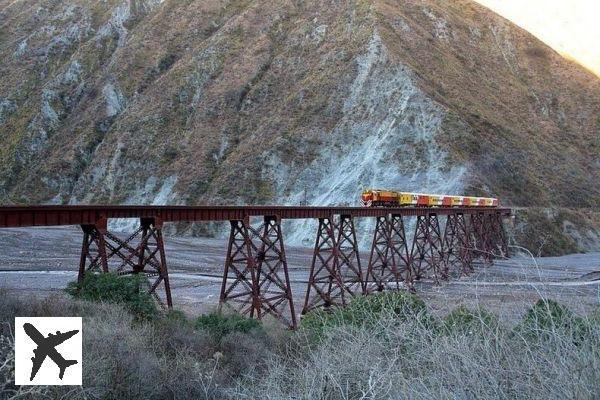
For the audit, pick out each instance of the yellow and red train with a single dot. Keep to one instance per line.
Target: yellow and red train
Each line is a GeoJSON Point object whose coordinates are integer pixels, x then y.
{"type": "Point", "coordinates": [391, 198]}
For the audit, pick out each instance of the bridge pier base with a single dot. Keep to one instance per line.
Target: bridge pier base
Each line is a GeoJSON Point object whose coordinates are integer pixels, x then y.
{"type": "Point", "coordinates": [256, 277]}
{"type": "Point", "coordinates": [427, 254]}
{"type": "Point", "coordinates": [389, 261]}
{"type": "Point", "coordinates": [335, 272]}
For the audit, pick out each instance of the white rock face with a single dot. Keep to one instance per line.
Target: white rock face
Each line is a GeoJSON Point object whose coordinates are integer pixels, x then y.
{"type": "Point", "coordinates": [21, 49]}
{"type": "Point", "coordinates": [6, 107]}
{"type": "Point", "coordinates": [115, 102]}
{"type": "Point", "coordinates": [440, 25]}
{"type": "Point", "coordinates": [115, 25]}
{"type": "Point", "coordinates": [120, 15]}
{"type": "Point", "coordinates": [163, 196]}
{"type": "Point", "coordinates": [73, 73]}
{"type": "Point", "coordinates": [48, 112]}
{"type": "Point", "coordinates": [386, 139]}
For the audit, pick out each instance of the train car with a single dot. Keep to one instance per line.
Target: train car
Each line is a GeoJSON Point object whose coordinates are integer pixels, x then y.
{"type": "Point", "coordinates": [380, 198]}
{"type": "Point", "coordinates": [408, 199]}
{"type": "Point", "coordinates": [456, 201]}
{"type": "Point", "coordinates": [435, 200]}
{"type": "Point", "coordinates": [392, 198]}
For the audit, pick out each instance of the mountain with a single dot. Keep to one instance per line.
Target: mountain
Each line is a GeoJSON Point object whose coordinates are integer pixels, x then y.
{"type": "Point", "coordinates": [223, 102]}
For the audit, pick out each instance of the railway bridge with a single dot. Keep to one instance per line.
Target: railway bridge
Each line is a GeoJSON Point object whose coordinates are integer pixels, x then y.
{"type": "Point", "coordinates": [445, 242]}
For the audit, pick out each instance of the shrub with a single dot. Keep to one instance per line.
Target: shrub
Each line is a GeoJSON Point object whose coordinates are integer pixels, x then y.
{"type": "Point", "coordinates": [220, 325]}
{"type": "Point", "coordinates": [179, 333]}
{"type": "Point", "coordinates": [465, 321]}
{"type": "Point", "coordinates": [123, 358]}
{"type": "Point", "coordinates": [128, 290]}
{"type": "Point", "coordinates": [243, 352]}
{"type": "Point", "coordinates": [548, 317]}
{"type": "Point", "coordinates": [369, 310]}
{"type": "Point", "coordinates": [239, 344]}
{"type": "Point", "coordinates": [416, 362]}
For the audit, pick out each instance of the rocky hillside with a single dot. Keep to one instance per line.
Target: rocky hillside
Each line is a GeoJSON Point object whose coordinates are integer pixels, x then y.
{"type": "Point", "coordinates": [194, 102]}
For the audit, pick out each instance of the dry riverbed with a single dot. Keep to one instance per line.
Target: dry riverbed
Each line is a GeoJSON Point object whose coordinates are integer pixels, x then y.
{"type": "Point", "coordinates": [37, 261]}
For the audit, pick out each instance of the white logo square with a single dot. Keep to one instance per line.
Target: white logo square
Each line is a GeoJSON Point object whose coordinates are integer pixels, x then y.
{"type": "Point", "coordinates": [48, 351]}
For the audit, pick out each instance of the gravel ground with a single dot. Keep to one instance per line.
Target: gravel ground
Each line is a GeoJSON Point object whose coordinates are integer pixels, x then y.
{"type": "Point", "coordinates": [36, 261]}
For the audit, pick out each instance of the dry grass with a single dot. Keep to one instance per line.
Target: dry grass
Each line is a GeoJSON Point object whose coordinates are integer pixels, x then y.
{"type": "Point", "coordinates": [413, 361]}
{"type": "Point", "coordinates": [125, 358]}
{"type": "Point", "coordinates": [549, 354]}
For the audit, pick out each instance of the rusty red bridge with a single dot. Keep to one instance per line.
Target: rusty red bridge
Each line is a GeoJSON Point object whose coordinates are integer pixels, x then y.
{"type": "Point", "coordinates": [445, 242]}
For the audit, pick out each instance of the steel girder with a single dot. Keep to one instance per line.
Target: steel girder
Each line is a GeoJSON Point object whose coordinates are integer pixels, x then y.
{"type": "Point", "coordinates": [479, 232]}
{"type": "Point", "coordinates": [256, 276]}
{"type": "Point", "coordinates": [93, 250]}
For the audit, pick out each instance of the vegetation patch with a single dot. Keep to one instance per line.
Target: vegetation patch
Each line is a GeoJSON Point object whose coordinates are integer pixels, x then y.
{"type": "Point", "coordinates": [369, 310]}
{"type": "Point", "coordinates": [547, 317]}
{"type": "Point", "coordinates": [469, 322]}
{"type": "Point", "coordinates": [541, 232]}
{"type": "Point", "coordinates": [221, 325]}
{"type": "Point", "coordinates": [378, 347]}
{"type": "Point", "coordinates": [130, 291]}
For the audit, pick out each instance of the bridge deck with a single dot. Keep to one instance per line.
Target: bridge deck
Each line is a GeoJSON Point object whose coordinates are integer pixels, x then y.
{"type": "Point", "coordinates": [53, 215]}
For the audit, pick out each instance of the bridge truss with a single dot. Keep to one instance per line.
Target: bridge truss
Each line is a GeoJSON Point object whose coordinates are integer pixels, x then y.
{"type": "Point", "coordinates": [446, 242]}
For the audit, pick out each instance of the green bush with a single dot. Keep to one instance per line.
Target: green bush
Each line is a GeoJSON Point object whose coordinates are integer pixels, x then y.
{"type": "Point", "coordinates": [220, 325]}
{"type": "Point", "coordinates": [369, 310]}
{"type": "Point", "coordinates": [176, 316]}
{"type": "Point", "coordinates": [594, 318]}
{"type": "Point", "coordinates": [129, 290]}
{"type": "Point", "coordinates": [466, 321]}
{"type": "Point", "coordinates": [547, 317]}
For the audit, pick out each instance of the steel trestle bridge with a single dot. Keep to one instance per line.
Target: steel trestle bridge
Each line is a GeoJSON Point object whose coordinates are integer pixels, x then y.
{"type": "Point", "coordinates": [445, 242]}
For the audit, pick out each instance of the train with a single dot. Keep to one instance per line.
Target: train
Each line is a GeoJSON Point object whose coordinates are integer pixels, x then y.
{"type": "Point", "coordinates": [392, 198]}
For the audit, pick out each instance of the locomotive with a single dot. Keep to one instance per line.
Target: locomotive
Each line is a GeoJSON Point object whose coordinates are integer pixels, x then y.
{"type": "Point", "coordinates": [391, 198]}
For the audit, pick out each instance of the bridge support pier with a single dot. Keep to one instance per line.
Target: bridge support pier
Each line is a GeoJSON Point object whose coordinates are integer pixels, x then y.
{"type": "Point", "coordinates": [427, 255]}
{"type": "Point", "coordinates": [498, 235]}
{"type": "Point", "coordinates": [465, 244]}
{"type": "Point", "coordinates": [335, 272]}
{"type": "Point", "coordinates": [480, 229]}
{"type": "Point", "coordinates": [93, 250]}
{"type": "Point", "coordinates": [256, 277]}
{"type": "Point", "coordinates": [148, 257]}
{"type": "Point", "coordinates": [389, 261]}
{"type": "Point", "coordinates": [349, 258]}
{"type": "Point", "coordinates": [458, 245]}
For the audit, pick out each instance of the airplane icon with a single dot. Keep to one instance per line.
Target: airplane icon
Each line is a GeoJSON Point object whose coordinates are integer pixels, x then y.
{"type": "Point", "coordinates": [46, 347]}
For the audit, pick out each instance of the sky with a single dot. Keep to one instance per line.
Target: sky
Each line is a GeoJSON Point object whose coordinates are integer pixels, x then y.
{"type": "Point", "coordinates": [571, 27]}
